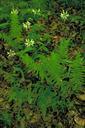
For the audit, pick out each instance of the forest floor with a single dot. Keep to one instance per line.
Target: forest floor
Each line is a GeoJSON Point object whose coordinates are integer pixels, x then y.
{"type": "Point", "coordinates": [56, 28]}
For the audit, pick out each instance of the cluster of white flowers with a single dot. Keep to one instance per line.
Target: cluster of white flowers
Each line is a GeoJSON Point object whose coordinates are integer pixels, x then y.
{"type": "Point", "coordinates": [36, 11]}
{"type": "Point", "coordinates": [14, 11]}
{"type": "Point", "coordinates": [64, 15]}
{"type": "Point", "coordinates": [11, 53]}
{"type": "Point", "coordinates": [29, 43]}
{"type": "Point", "coordinates": [27, 25]}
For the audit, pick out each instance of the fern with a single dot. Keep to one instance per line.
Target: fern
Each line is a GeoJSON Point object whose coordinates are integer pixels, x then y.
{"type": "Point", "coordinates": [28, 61]}
{"type": "Point", "coordinates": [63, 49]}
{"type": "Point", "coordinates": [46, 99]}
{"type": "Point", "coordinates": [14, 36]}
{"type": "Point", "coordinates": [20, 96]}
{"type": "Point", "coordinates": [54, 65]}
{"type": "Point", "coordinates": [8, 40]}
{"type": "Point", "coordinates": [3, 26]}
{"type": "Point", "coordinates": [53, 68]}
{"type": "Point", "coordinates": [15, 31]}
{"type": "Point", "coordinates": [61, 72]}
{"type": "Point", "coordinates": [6, 118]}
{"type": "Point", "coordinates": [77, 70]}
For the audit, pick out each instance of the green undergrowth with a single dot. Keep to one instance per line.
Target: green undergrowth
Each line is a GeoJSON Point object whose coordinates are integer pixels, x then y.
{"type": "Point", "coordinates": [35, 79]}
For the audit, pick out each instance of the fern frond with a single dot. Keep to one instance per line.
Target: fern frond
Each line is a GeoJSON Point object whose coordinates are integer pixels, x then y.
{"type": "Point", "coordinates": [52, 68]}
{"type": "Point", "coordinates": [77, 72]}
{"type": "Point", "coordinates": [15, 27]}
{"type": "Point", "coordinates": [28, 61]}
{"type": "Point", "coordinates": [8, 40]}
{"type": "Point", "coordinates": [63, 49]}
{"type": "Point", "coordinates": [46, 99]}
{"type": "Point", "coordinates": [4, 25]}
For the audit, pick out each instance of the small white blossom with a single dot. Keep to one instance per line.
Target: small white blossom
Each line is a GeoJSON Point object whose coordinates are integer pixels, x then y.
{"type": "Point", "coordinates": [11, 53]}
{"type": "Point", "coordinates": [29, 43]}
{"type": "Point", "coordinates": [27, 25]}
{"type": "Point", "coordinates": [64, 15]}
{"type": "Point", "coordinates": [14, 11]}
{"type": "Point", "coordinates": [36, 11]}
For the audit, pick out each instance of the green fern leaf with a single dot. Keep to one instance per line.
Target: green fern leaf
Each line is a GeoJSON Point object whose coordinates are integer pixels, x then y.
{"type": "Point", "coordinates": [77, 72]}
{"type": "Point", "coordinates": [15, 27]}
